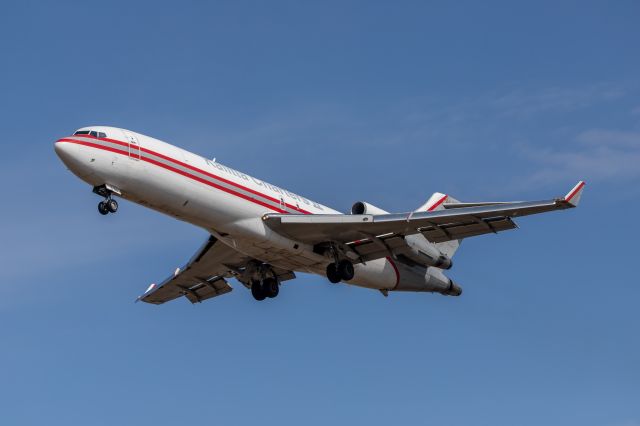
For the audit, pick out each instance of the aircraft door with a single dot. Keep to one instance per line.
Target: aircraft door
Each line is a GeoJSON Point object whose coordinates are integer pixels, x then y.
{"type": "Point", "coordinates": [134, 145]}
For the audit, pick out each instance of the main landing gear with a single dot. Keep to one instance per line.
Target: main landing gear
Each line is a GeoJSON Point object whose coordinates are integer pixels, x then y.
{"type": "Point", "coordinates": [268, 287]}
{"type": "Point", "coordinates": [340, 271]}
{"type": "Point", "coordinates": [108, 205]}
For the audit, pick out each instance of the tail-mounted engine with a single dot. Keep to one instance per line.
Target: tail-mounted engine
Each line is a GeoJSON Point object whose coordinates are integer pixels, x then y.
{"type": "Point", "coordinates": [389, 275]}
{"type": "Point", "coordinates": [362, 207]}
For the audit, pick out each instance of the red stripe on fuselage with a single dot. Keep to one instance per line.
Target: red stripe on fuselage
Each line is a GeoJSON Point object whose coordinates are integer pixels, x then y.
{"type": "Point", "coordinates": [206, 182]}
{"type": "Point", "coordinates": [204, 172]}
{"type": "Point", "coordinates": [95, 145]}
{"type": "Point", "coordinates": [178, 171]}
{"type": "Point", "coordinates": [188, 166]}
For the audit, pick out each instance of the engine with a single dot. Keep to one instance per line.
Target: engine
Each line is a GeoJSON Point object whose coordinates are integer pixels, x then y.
{"type": "Point", "coordinates": [362, 207]}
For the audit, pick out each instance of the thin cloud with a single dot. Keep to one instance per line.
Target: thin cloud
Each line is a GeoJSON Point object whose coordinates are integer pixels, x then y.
{"type": "Point", "coordinates": [517, 103]}
{"type": "Point", "coordinates": [610, 138]}
{"type": "Point", "coordinates": [407, 121]}
{"type": "Point", "coordinates": [596, 154]}
{"type": "Point", "coordinates": [627, 423]}
{"type": "Point", "coordinates": [523, 104]}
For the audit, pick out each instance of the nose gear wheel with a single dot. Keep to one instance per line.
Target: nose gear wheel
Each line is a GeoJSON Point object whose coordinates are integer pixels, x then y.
{"type": "Point", "coordinates": [108, 205]}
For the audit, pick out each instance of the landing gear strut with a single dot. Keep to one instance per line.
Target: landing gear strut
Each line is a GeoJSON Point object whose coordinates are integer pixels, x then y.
{"type": "Point", "coordinates": [341, 271]}
{"type": "Point", "coordinates": [108, 205]}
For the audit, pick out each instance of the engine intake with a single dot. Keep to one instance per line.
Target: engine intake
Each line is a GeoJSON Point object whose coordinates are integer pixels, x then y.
{"type": "Point", "coordinates": [362, 207]}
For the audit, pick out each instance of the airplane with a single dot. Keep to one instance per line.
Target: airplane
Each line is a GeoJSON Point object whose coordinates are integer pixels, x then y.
{"type": "Point", "coordinates": [261, 234]}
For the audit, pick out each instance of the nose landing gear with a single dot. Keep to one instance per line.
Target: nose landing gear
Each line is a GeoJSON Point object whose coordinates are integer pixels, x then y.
{"type": "Point", "coordinates": [108, 205]}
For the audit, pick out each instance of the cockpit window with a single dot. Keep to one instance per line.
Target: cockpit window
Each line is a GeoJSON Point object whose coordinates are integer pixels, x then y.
{"type": "Point", "coordinates": [91, 133]}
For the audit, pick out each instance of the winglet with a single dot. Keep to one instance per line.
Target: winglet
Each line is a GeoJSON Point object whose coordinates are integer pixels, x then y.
{"type": "Point", "coordinates": [573, 197]}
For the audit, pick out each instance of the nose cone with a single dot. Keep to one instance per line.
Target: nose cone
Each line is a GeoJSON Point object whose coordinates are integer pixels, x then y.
{"type": "Point", "coordinates": [74, 157]}
{"type": "Point", "coordinates": [64, 151]}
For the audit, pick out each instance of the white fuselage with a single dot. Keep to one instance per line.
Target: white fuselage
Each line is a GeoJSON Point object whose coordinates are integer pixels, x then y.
{"type": "Point", "coordinates": [225, 202]}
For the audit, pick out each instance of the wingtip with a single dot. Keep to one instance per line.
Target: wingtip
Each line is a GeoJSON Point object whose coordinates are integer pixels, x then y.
{"type": "Point", "coordinates": [149, 290]}
{"type": "Point", "coordinates": [573, 196]}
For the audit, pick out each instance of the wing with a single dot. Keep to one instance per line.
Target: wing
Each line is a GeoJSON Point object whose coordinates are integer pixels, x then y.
{"type": "Point", "coordinates": [203, 277]}
{"type": "Point", "coordinates": [437, 226]}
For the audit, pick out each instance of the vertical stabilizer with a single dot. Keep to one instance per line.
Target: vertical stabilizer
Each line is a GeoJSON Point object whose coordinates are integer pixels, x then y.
{"type": "Point", "coordinates": [436, 202]}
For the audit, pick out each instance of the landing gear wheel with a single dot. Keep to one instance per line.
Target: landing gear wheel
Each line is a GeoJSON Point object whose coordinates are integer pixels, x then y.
{"type": "Point", "coordinates": [102, 208]}
{"type": "Point", "coordinates": [112, 206]}
{"type": "Point", "coordinates": [257, 291]}
{"type": "Point", "coordinates": [270, 287]}
{"type": "Point", "coordinates": [345, 270]}
{"type": "Point", "coordinates": [333, 274]}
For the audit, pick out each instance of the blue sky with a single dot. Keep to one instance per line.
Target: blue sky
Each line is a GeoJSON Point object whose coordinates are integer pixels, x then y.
{"type": "Point", "coordinates": [339, 101]}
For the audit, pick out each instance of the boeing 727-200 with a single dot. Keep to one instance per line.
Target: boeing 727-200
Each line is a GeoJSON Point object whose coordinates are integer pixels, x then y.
{"type": "Point", "coordinates": [262, 234]}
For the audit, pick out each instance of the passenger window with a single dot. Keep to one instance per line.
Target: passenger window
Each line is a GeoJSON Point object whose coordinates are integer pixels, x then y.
{"type": "Point", "coordinates": [94, 134]}
{"type": "Point", "coordinates": [82, 132]}
{"type": "Point", "coordinates": [102, 135]}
